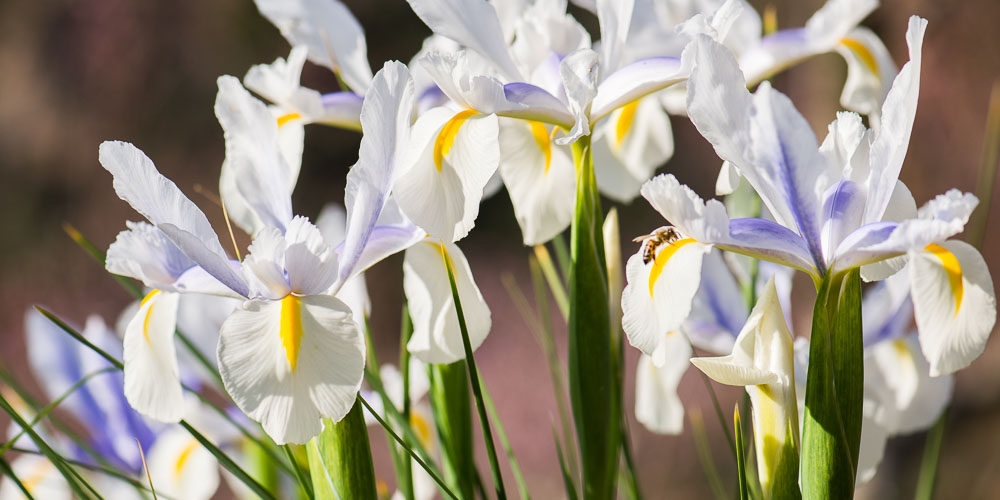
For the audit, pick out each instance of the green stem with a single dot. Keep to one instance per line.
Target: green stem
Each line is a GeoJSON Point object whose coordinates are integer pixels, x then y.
{"type": "Point", "coordinates": [300, 474]}
{"type": "Point", "coordinates": [470, 361]}
{"type": "Point", "coordinates": [831, 435]}
{"type": "Point", "coordinates": [449, 397]}
{"type": "Point", "coordinates": [346, 456]}
{"type": "Point", "coordinates": [592, 352]}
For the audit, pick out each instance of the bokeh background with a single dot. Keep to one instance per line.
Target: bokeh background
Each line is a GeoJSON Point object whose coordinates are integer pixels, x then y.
{"type": "Point", "coordinates": [74, 73]}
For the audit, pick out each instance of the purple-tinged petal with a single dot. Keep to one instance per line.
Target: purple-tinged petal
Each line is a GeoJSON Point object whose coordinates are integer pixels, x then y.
{"type": "Point", "coordinates": [770, 241]}
{"type": "Point", "coordinates": [529, 102]}
{"type": "Point", "coordinates": [342, 109]}
{"type": "Point", "coordinates": [634, 81]}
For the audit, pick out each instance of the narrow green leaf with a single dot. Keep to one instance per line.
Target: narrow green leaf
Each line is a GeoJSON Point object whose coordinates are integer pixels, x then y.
{"type": "Point", "coordinates": [75, 482]}
{"type": "Point", "coordinates": [522, 486]}
{"type": "Point", "coordinates": [741, 468]}
{"type": "Point", "coordinates": [718, 413]}
{"type": "Point", "coordinates": [48, 408]}
{"type": "Point", "coordinates": [300, 474]}
{"type": "Point", "coordinates": [592, 354]}
{"type": "Point", "coordinates": [631, 476]}
{"type": "Point", "coordinates": [568, 480]}
{"type": "Point", "coordinates": [404, 474]}
{"type": "Point", "coordinates": [705, 454]}
{"type": "Point", "coordinates": [344, 449]}
{"type": "Point", "coordinates": [260, 465]}
{"type": "Point", "coordinates": [420, 461]}
{"type": "Point", "coordinates": [976, 229]}
{"type": "Point", "coordinates": [399, 461]}
{"type": "Point", "coordinates": [9, 472]}
{"type": "Point", "coordinates": [555, 369]}
{"type": "Point", "coordinates": [553, 280]}
{"type": "Point", "coordinates": [470, 361]}
{"type": "Point", "coordinates": [831, 435]}
{"type": "Point", "coordinates": [929, 463]}
{"type": "Point", "coordinates": [98, 255]}
{"type": "Point", "coordinates": [223, 459]}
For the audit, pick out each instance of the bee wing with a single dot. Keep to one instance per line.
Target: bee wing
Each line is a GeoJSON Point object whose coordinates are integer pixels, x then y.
{"type": "Point", "coordinates": [640, 239]}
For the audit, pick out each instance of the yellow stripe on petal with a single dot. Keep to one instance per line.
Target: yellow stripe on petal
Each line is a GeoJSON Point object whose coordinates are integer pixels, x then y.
{"type": "Point", "coordinates": [422, 429]}
{"type": "Point", "coordinates": [291, 328]}
{"type": "Point", "coordinates": [662, 258]}
{"type": "Point", "coordinates": [149, 314]}
{"type": "Point", "coordinates": [861, 50]}
{"type": "Point", "coordinates": [952, 268]}
{"type": "Point", "coordinates": [544, 141]}
{"type": "Point", "coordinates": [283, 119]}
{"type": "Point", "coordinates": [183, 456]}
{"type": "Point", "coordinates": [624, 124]}
{"type": "Point", "coordinates": [446, 137]}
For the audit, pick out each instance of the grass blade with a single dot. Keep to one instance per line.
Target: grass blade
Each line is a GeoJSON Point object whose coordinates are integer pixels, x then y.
{"type": "Point", "coordinates": [568, 480]}
{"type": "Point", "coordinates": [470, 361]}
{"type": "Point", "coordinates": [300, 474]}
{"type": "Point", "coordinates": [741, 468]}
{"type": "Point", "coordinates": [552, 278]}
{"type": "Point", "coordinates": [67, 472]}
{"type": "Point", "coordinates": [404, 474]}
{"type": "Point", "coordinates": [430, 470]}
{"type": "Point", "coordinates": [522, 487]}
{"type": "Point", "coordinates": [223, 459]}
{"type": "Point", "coordinates": [705, 455]}
{"type": "Point", "coordinates": [9, 472]}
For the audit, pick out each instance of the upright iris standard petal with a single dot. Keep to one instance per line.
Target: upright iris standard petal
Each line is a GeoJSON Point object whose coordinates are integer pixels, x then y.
{"type": "Point", "coordinates": [870, 71]}
{"type": "Point", "coordinates": [472, 24]}
{"type": "Point", "coordinates": [452, 156]}
{"type": "Point", "coordinates": [333, 36]}
{"type": "Point", "coordinates": [385, 119]}
{"type": "Point", "coordinates": [152, 379]}
{"type": "Point", "coordinates": [256, 181]}
{"type": "Point", "coordinates": [954, 303]}
{"type": "Point", "coordinates": [288, 364]}
{"type": "Point", "coordinates": [539, 176]}
{"type": "Point", "coordinates": [763, 361]}
{"type": "Point", "coordinates": [436, 336]}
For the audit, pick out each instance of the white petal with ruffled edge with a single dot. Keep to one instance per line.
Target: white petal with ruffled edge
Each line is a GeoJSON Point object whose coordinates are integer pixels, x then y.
{"type": "Point", "coordinates": [954, 303]}
{"type": "Point", "coordinates": [436, 335]}
{"type": "Point", "coordinates": [657, 298]}
{"type": "Point", "coordinates": [540, 178]}
{"type": "Point", "coordinates": [451, 158]}
{"type": "Point", "coordinates": [918, 399]}
{"type": "Point", "coordinates": [152, 380]}
{"type": "Point", "coordinates": [288, 368]}
{"type": "Point", "coordinates": [657, 405]}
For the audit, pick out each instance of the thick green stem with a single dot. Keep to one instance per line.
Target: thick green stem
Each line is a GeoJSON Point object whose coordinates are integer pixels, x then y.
{"type": "Point", "coordinates": [342, 458]}
{"type": "Point", "coordinates": [452, 407]}
{"type": "Point", "coordinates": [592, 353]}
{"type": "Point", "coordinates": [831, 435]}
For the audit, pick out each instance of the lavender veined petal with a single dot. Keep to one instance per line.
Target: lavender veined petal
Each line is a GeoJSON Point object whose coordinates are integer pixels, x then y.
{"type": "Point", "coordinates": [213, 263]}
{"type": "Point", "coordinates": [342, 109]}
{"type": "Point", "coordinates": [634, 81]}
{"type": "Point", "coordinates": [529, 102]}
{"type": "Point", "coordinates": [768, 241]}
{"type": "Point", "coordinates": [385, 241]}
{"type": "Point", "coordinates": [887, 311]}
{"type": "Point", "coordinates": [385, 116]}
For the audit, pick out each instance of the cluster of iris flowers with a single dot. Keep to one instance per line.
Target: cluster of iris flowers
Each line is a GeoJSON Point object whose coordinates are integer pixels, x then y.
{"type": "Point", "coordinates": [517, 95]}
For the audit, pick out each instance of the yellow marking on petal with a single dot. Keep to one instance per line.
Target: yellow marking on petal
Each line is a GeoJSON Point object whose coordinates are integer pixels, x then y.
{"type": "Point", "coordinates": [283, 119]}
{"type": "Point", "coordinates": [291, 328]}
{"type": "Point", "coordinates": [446, 137]}
{"type": "Point", "coordinates": [770, 19]}
{"type": "Point", "coordinates": [662, 258]}
{"type": "Point", "coordinates": [422, 429]}
{"type": "Point", "coordinates": [861, 50]}
{"type": "Point", "coordinates": [952, 268]}
{"type": "Point", "coordinates": [543, 140]}
{"type": "Point", "coordinates": [382, 488]}
{"type": "Point", "coordinates": [36, 475]}
{"type": "Point", "coordinates": [149, 314]}
{"type": "Point", "coordinates": [624, 124]}
{"type": "Point", "coordinates": [183, 456]}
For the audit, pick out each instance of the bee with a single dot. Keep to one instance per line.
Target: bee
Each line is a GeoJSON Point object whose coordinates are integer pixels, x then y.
{"type": "Point", "coordinates": [661, 236]}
